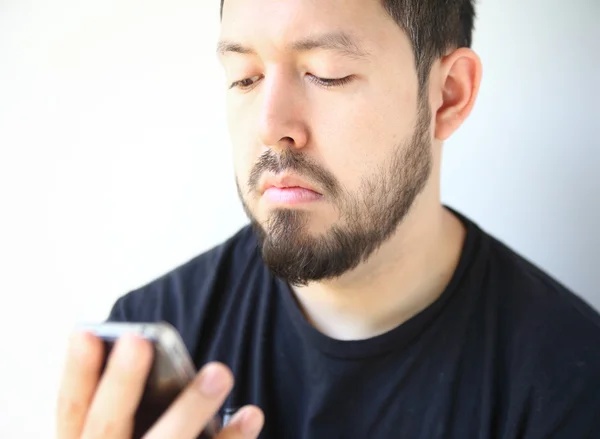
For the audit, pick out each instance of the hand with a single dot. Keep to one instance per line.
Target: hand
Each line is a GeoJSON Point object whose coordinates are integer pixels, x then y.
{"type": "Point", "coordinates": [91, 406]}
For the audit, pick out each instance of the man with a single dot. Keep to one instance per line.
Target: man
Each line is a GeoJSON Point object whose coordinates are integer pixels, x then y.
{"type": "Point", "coordinates": [357, 305]}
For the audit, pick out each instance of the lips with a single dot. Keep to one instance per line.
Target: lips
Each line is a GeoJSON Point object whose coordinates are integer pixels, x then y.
{"type": "Point", "coordinates": [288, 190]}
{"type": "Point", "coordinates": [286, 182]}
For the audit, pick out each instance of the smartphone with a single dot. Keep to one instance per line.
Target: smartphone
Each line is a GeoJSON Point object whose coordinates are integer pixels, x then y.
{"type": "Point", "coordinates": [172, 370]}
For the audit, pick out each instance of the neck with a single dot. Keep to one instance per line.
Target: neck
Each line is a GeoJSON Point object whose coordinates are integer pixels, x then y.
{"type": "Point", "coordinates": [404, 276]}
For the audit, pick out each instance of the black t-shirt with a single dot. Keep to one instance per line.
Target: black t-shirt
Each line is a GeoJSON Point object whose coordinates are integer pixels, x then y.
{"type": "Point", "coordinates": [505, 352]}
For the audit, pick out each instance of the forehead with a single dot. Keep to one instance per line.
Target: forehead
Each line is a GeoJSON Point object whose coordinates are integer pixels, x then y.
{"type": "Point", "coordinates": [277, 24]}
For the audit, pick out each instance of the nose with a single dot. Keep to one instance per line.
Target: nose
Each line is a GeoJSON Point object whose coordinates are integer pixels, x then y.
{"type": "Point", "coordinates": [282, 125]}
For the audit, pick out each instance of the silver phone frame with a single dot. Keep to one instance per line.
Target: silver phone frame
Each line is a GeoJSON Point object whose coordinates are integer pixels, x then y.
{"type": "Point", "coordinates": [163, 335]}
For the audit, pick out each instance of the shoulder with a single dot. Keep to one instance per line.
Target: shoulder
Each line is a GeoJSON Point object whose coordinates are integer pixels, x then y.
{"type": "Point", "coordinates": [520, 296]}
{"type": "Point", "coordinates": [538, 301]}
{"type": "Point", "coordinates": [550, 339]}
{"type": "Point", "coordinates": [190, 287]}
{"type": "Point", "coordinates": [535, 320]}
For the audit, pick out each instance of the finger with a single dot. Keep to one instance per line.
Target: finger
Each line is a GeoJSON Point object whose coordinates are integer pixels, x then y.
{"type": "Point", "coordinates": [113, 408]}
{"type": "Point", "coordinates": [245, 424]}
{"type": "Point", "coordinates": [196, 406]}
{"type": "Point", "coordinates": [78, 383]}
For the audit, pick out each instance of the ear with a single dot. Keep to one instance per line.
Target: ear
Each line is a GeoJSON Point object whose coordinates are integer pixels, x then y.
{"type": "Point", "coordinates": [459, 80]}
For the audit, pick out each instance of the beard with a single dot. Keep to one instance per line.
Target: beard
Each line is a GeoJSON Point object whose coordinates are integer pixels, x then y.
{"type": "Point", "coordinates": [368, 218]}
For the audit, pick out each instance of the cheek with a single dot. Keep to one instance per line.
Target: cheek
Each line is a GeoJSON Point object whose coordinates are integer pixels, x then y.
{"type": "Point", "coordinates": [355, 144]}
{"type": "Point", "coordinates": [243, 163]}
{"type": "Point", "coordinates": [358, 138]}
{"type": "Point", "coordinates": [244, 149]}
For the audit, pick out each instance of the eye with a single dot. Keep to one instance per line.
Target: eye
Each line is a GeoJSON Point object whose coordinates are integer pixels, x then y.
{"type": "Point", "coordinates": [330, 82]}
{"type": "Point", "coordinates": [245, 84]}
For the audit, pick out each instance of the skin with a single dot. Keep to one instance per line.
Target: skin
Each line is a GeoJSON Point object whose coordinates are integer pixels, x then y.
{"type": "Point", "coordinates": [94, 406]}
{"type": "Point", "coordinates": [350, 131]}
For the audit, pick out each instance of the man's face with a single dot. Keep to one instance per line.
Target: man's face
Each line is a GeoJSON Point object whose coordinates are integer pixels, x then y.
{"type": "Point", "coordinates": [326, 169]}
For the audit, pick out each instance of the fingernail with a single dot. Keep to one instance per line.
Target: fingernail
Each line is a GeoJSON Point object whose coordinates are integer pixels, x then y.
{"type": "Point", "coordinates": [249, 421]}
{"type": "Point", "coordinates": [213, 380]}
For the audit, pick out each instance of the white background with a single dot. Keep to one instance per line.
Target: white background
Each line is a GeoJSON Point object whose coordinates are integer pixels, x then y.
{"type": "Point", "coordinates": [115, 160]}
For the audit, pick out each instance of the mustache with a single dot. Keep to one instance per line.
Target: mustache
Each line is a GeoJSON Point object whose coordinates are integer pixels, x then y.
{"type": "Point", "coordinates": [300, 164]}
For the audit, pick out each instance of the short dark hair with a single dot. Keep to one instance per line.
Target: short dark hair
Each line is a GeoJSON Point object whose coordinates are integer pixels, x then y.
{"type": "Point", "coordinates": [433, 27]}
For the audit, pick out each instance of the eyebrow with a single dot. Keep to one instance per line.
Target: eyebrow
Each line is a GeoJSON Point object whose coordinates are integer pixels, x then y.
{"type": "Point", "coordinates": [341, 42]}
